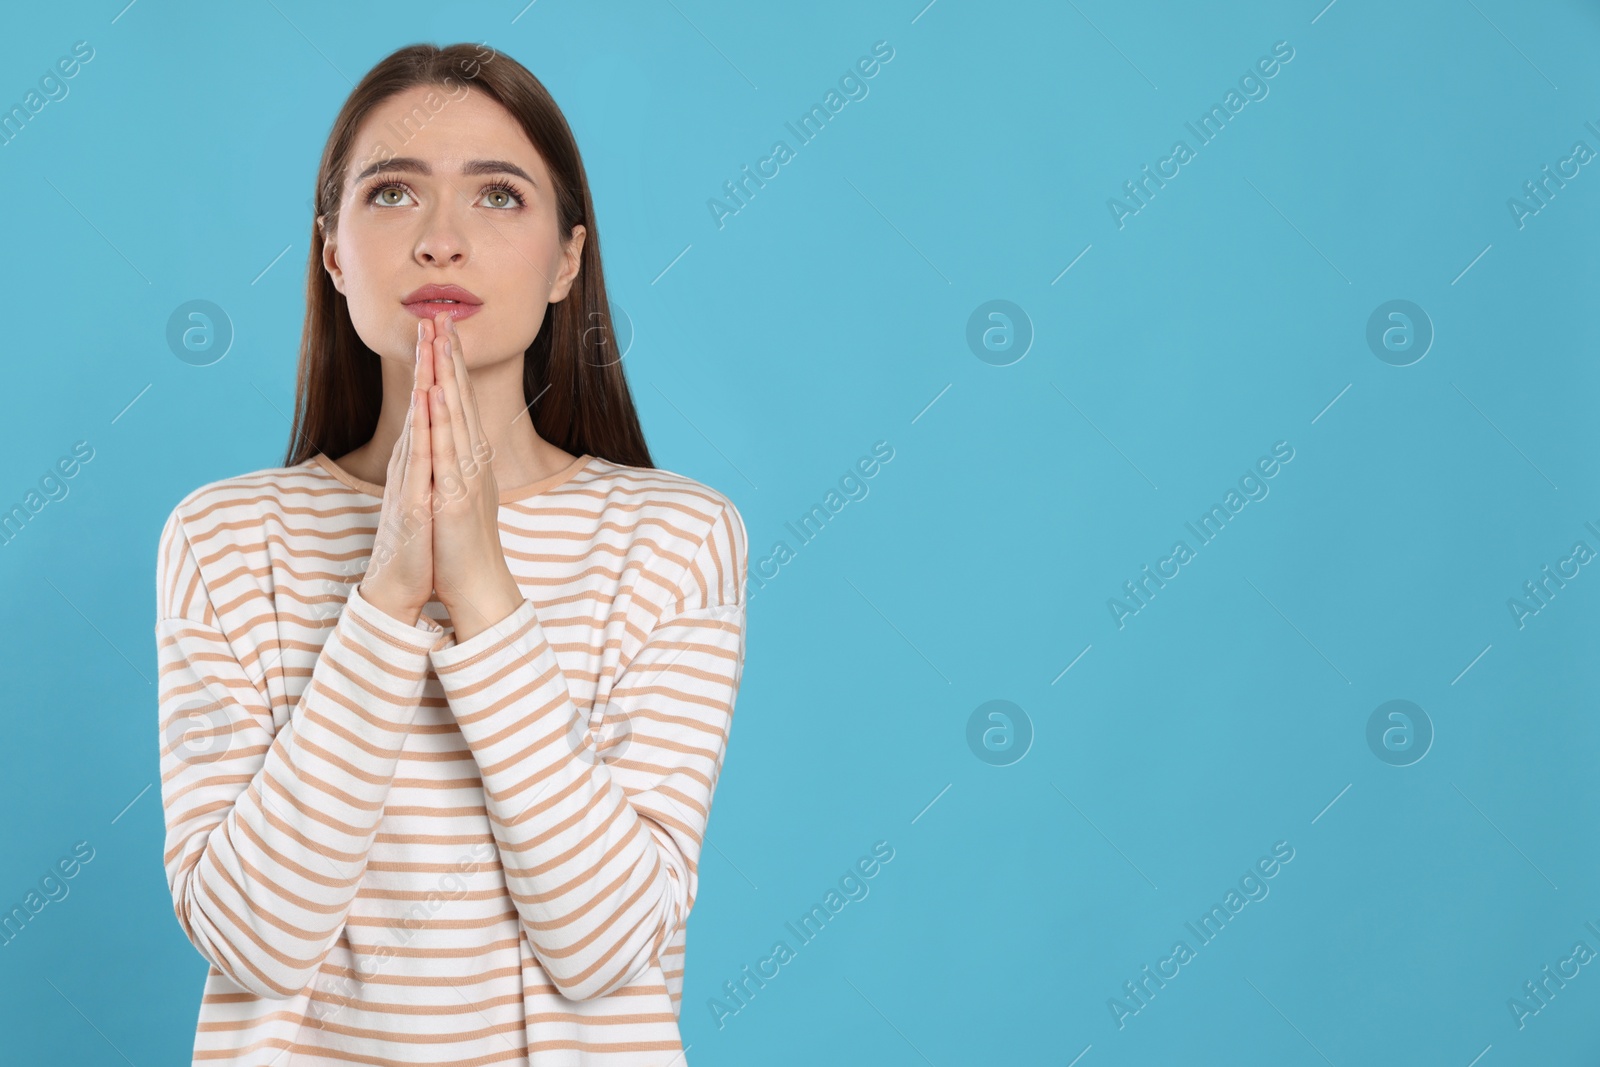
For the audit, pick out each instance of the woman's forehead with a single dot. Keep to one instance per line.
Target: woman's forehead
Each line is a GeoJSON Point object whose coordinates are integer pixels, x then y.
{"type": "Point", "coordinates": [446, 133]}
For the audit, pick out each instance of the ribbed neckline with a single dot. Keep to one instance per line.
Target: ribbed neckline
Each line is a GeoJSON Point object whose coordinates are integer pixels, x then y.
{"type": "Point", "coordinates": [507, 496]}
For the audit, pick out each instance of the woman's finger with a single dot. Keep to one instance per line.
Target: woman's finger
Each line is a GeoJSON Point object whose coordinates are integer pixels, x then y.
{"type": "Point", "coordinates": [420, 476]}
{"type": "Point", "coordinates": [446, 470]}
{"type": "Point", "coordinates": [424, 374]}
{"type": "Point", "coordinates": [397, 455]}
{"type": "Point", "coordinates": [446, 456]}
{"type": "Point", "coordinates": [469, 400]}
{"type": "Point", "coordinates": [402, 445]}
{"type": "Point", "coordinates": [450, 381]}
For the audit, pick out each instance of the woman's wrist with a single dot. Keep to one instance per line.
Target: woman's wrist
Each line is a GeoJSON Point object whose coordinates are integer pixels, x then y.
{"type": "Point", "coordinates": [406, 613]}
{"type": "Point", "coordinates": [474, 611]}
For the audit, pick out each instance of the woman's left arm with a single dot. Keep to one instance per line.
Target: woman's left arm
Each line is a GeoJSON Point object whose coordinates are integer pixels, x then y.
{"type": "Point", "coordinates": [601, 856]}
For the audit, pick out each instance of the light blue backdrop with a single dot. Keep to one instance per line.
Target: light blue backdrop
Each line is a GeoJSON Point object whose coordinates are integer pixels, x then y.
{"type": "Point", "coordinates": [1439, 859]}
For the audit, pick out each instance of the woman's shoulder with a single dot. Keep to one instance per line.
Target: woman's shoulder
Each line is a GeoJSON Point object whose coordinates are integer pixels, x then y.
{"type": "Point", "coordinates": [253, 494]}
{"type": "Point", "coordinates": [227, 534]}
{"type": "Point", "coordinates": [659, 494]}
{"type": "Point", "coordinates": [695, 532]}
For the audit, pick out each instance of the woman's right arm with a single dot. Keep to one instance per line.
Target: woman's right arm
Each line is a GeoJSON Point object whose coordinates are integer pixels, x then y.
{"type": "Point", "coordinates": [268, 829]}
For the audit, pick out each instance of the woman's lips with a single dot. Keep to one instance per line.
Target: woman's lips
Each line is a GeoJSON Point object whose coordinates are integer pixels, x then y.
{"type": "Point", "coordinates": [427, 309]}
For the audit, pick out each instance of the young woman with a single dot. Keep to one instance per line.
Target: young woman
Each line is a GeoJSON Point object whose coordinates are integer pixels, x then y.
{"type": "Point", "coordinates": [445, 697]}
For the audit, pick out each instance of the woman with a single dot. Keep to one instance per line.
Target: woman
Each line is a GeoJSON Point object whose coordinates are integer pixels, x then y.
{"type": "Point", "coordinates": [445, 697]}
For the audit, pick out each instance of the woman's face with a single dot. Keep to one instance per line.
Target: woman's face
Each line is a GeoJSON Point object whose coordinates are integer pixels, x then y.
{"type": "Point", "coordinates": [462, 198]}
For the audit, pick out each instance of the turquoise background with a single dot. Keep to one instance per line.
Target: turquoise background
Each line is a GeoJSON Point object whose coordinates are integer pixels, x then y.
{"type": "Point", "coordinates": [832, 312]}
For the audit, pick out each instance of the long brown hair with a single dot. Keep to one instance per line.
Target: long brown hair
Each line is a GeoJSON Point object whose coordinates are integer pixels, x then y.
{"type": "Point", "coordinates": [572, 373]}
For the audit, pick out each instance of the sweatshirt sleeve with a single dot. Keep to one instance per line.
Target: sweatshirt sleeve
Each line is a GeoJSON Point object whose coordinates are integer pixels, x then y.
{"type": "Point", "coordinates": [601, 853]}
{"type": "Point", "coordinates": [267, 828]}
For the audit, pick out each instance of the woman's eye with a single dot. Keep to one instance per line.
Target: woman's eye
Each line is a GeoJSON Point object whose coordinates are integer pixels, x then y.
{"type": "Point", "coordinates": [378, 194]}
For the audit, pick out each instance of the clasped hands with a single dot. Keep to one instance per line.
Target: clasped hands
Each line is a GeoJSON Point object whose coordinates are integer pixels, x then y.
{"type": "Point", "coordinates": [439, 527]}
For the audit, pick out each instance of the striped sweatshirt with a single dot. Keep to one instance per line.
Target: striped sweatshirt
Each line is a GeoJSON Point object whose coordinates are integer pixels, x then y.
{"type": "Point", "coordinates": [397, 848]}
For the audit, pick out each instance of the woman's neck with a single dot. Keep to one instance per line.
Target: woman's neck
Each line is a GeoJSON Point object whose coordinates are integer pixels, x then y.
{"type": "Point", "coordinates": [518, 455]}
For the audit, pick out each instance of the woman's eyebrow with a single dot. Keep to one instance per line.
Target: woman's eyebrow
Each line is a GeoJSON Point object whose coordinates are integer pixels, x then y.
{"type": "Point", "coordinates": [473, 166]}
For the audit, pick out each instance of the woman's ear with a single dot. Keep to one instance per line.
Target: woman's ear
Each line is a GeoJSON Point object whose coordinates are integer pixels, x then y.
{"type": "Point", "coordinates": [571, 259]}
{"type": "Point", "coordinates": [330, 254]}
